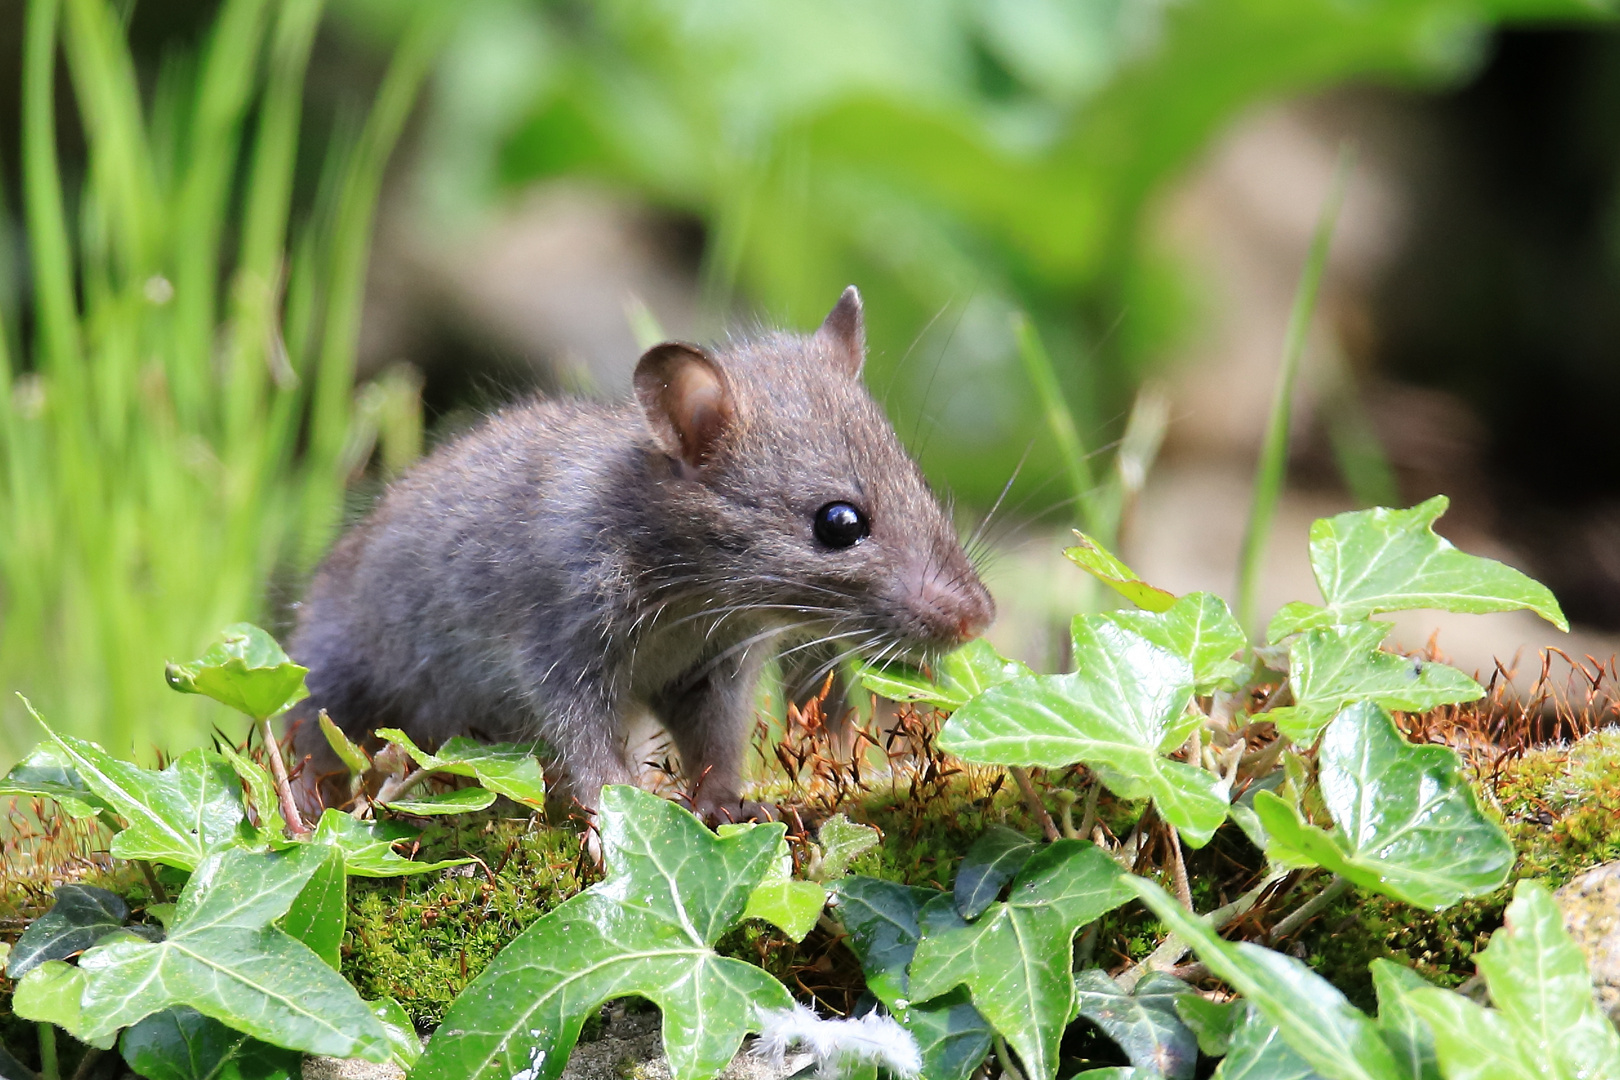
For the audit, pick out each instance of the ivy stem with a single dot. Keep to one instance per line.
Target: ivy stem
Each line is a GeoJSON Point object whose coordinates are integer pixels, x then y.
{"type": "Point", "coordinates": [395, 787]}
{"type": "Point", "coordinates": [1173, 948]}
{"type": "Point", "coordinates": [1066, 800]}
{"type": "Point", "coordinates": [48, 1069]}
{"type": "Point", "coordinates": [1088, 819]}
{"type": "Point", "coordinates": [1309, 909]}
{"type": "Point", "coordinates": [1004, 1057]}
{"type": "Point", "coordinates": [160, 895]}
{"type": "Point", "coordinates": [88, 1064]}
{"type": "Point", "coordinates": [278, 769]}
{"type": "Point", "coordinates": [1179, 870]}
{"type": "Point", "coordinates": [1033, 801]}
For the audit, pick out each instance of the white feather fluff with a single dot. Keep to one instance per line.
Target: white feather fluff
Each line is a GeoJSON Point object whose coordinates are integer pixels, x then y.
{"type": "Point", "coordinates": [873, 1038]}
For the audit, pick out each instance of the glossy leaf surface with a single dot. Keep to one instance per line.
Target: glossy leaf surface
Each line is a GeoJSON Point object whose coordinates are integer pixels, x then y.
{"type": "Point", "coordinates": [842, 841]}
{"type": "Point", "coordinates": [81, 916]}
{"type": "Point", "coordinates": [1211, 1022]}
{"type": "Point", "coordinates": [1256, 1051]}
{"type": "Point", "coordinates": [225, 958]}
{"type": "Point", "coordinates": [48, 773]}
{"type": "Point", "coordinates": [673, 887]}
{"type": "Point", "coordinates": [1406, 821]}
{"type": "Point", "coordinates": [457, 801]}
{"type": "Point", "coordinates": [1405, 1032]}
{"type": "Point", "coordinates": [1475, 1043]}
{"type": "Point", "coordinates": [1106, 567]}
{"type": "Point", "coordinates": [1331, 1035]}
{"type": "Point", "coordinates": [1337, 666]}
{"type": "Point", "coordinates": [50, 994]}
{"type": "Point", "coordinates": [1371, 561]}
{"type": "Point", "coordinates": [353, 757]}
{"type": "Point", "coordinates": [1143, 1023]}
{"type": "Point", "coordinates": [319, 912]}
{"type": "Point", "coordinates": [246, 670]}
{"type": "Point", "coordinates": [883, 920]}
{"type": "Point", "coordinates": [790, 905]}
{"type": "Point", "coordinates": [183, 1044]}
{"type": "Point", "coordinates": [402, 1037]}
{"type": "Point", "coordinates": [1015, 959]}
{"type": "Point", "coordinates": [956, 679]}
{"type": "Point", "coordinates": [1199, 628]}
{"type": "Point", "coordinates": [1122, 709]}
{"type": "Point", "coordinates": [994, 859]}
{"type": "Point", "coordinates": [368, 846]}
{"type": "Point", "coordinates": [504, 768]}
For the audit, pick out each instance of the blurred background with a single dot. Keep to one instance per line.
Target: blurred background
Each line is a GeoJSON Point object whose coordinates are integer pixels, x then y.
{"type": "Point", "coordinates": [257, 256]}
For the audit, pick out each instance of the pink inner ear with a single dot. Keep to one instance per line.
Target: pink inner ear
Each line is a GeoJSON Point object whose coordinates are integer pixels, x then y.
{"type": "Point", "coordinates": [699, 408]}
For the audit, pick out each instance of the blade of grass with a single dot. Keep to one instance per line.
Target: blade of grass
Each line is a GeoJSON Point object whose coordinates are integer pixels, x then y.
{"type": "Point", "coordinates": [1060, 422]}
{"type": "Point", "coordinates": [1273, 464]}
{"type": "Point", "coordinates": [56, 313]}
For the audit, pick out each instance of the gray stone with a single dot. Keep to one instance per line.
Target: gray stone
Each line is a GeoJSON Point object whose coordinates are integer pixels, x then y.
{"type": "Point", "coordinates": [1591, 906]}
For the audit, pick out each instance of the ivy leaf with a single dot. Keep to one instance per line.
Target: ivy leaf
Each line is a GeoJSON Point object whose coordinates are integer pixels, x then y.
{"type": "Point", "coordinates": [1144, 1024]}
{"type": "Point", "coordinates": [319, 912]}
{"type": "Point", "coordinates": [1257, 1052]}
{"type": "Point", "coordinates": [1475, 1043]}
{"type": "Point", "coordinates": [353, 757]}
{"type": "Point", "coordinates": [505, 768]}
{"type": "Point", "coordinates": [673, 887]}
{"type": "Point", "coordinates": [1213, 1023]}
{"type": "Point", "coordinates": [1122, 709]}
{"type": "Point", "coordinates": [994, 859]}
{"type": "Point", "coordinates": [47, 773]}
{"type": "Point", "coordinates": [50, 994]}
{"type": "Point", "coordinates": [1407, 823]}
{"type": "Point", "coordinates": [1371, 561]}
{"type": "Point", "coordinates": [368, 846]}
{"type": "Point", "coordinates": [791, 906]}
{"type": "Point", "coordinates": [173, 816]}
{"type": "Point", "coordinates": [1405, 1032]}
{"type": "Point", "coordinates": [882, 918]}
{"type": "Point", "coordinates": [1540, 984]}
{"type": "Point", "coordinates": [225, 958]}
{"type": "Point", "coordinates": [183, 1044]}
{"type": "Point", "coordinates": [1103, 565]}
{"type": "Point", "coordinates": [842, 841]}
{"type": "Point", "coordinates": [1340, 665]}
{"type": "Point", "coordinates": [246, 670]}
{"type": "Point", "coordinates": [957, 677]}
{"type": "Point", "coordinates": [1015, 959]}
{"type": "Point", "coordinates": [458, 801]}
{"type": "Point", "coordinates": [261, 790]}
{"type": "Point", "coordinates": [1199, 628]}
{"type": "Point", "coordinates": [402, 1039]}
{"type": "Point", "coordinates": [1334, 1037]}
{"type": "Point", "coordinates": [81, 916]}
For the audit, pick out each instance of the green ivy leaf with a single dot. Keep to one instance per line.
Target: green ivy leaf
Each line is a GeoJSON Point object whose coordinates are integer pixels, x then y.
{"type": "Point", "coordinates": [1337, 666]}
{"type": "Point", "coordinates": [1122, 709]}
{"type": "Point", "coordinates": [402, 1039]}
{"type": "Point", "coordinates": [1404, 1031]}
{"type": "Point", "coordinates": [1475, 1043]}
{"type": "Point", "coordinates": [225, 958]}
{"type": "Point", "coordinates": [883, 921]}
{"type": "Point", "coordinates": [47, 773]}
{"type": "Point", "coordinates": [1256, 1050]}
{"type": "Point", "coordinates": [320, 910]}
{"type": "Point", "coordinates": [994, 859]}
{"type": "Point", "coordinates": [1200, 629]}
{"type": "Point", "coordinates": [246, 670]}
{"type": "Point", "coordinates": [1371, 561]}
{"type": "Point", "coordinates": [1407, 823]}
{"type": "Point", "coordinates": [957, 677]}
{"type": "Point", "coordinates": [1144, 1023]}
{"type": "Point", "coordinates": [183, 1044]}
{"type": "Point", "coordinates": [368, 846]}
{"type": "Point", "coordinates": [50, 994]}
{"type": "Point", "coordinates": [1540, 984]}
{"type": "Point", "coordinates": [353, 757]}
{"type": "Point", "coordinates": [842, 841]}
{"type": "Point", "coordinates": [458, 801]}
{"type": "Point", "coordinates": [81, 916]}
{"type": "Point", "coordinates": [673, 887]}
{"type": "Point", "coordinates": [1334, 1037]}
{"type": "Point", "coordinates": [1015, 959]}
{"type": "Point", "coordinates": [173, 816]}
{"type": "Point", "coordinates": [791, 906]}
{"type": "Point", "coordinates": [1103, 565]}
{"type": "Point", "coordinates": [261, 790]}
{"type": "Point", "coordinates": [504, 768]}
{"type": "Point", "coordinates": [1212, 1022]}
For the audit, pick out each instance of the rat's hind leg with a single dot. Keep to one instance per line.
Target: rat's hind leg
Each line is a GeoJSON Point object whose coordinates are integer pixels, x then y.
{"type": "Point", "coordinates": [710, 715]}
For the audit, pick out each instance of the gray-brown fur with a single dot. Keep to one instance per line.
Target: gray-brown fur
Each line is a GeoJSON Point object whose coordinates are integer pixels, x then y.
{"type": "Point", "coordinates": [567, 563]}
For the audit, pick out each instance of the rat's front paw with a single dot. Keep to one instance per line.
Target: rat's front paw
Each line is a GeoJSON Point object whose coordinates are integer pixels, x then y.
{"type": "Point", "coordinates": [722, 810]}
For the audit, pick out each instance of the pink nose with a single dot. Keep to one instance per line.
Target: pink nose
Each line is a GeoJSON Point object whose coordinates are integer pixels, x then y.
{"type": "Point", "coordinates": [957, 611]}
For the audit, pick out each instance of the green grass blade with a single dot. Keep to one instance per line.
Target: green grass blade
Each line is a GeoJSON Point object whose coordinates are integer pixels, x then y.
{"type": "Point", "coordinates": [1060, 422]}
{"type": "Point", "coordinates": [56, 312]}
{"type": "Point", "coordinates": [1273, 465]}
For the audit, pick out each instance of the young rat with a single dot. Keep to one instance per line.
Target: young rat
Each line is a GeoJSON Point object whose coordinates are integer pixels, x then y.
{"type": "Point", "coordinates": [567, 563]}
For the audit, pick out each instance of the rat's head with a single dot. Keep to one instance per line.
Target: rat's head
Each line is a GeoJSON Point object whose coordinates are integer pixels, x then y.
{"type": "Point", "coordinates": [792, 499]}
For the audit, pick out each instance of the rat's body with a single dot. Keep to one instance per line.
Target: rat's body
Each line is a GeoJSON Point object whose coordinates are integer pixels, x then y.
{"type": "Point", "coordinates": [566, 564]}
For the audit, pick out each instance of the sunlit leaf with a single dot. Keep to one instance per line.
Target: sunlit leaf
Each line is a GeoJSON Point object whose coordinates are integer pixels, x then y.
{"type": "Point", "coordinates": [352, 756]}
{"type": "Point", "coordinates": [1016, 958]}
{"type": "Point", "coordinates": [1142, 1023]}
{"type": "Point", "coordinates": [261, 790]}
{"type": "Point", "coordinates": [319, 912]}
{"type": "Point", "coordinates": [1337, 666]}
{"type": "Point", "coordinates": [882, 918]}
{"type": "Point", "coordinates": [1199, 628]}
{"type": "Point", "coordinates": [225, 958]}
{"type": "Point", "coordinates": [673, 887]}
{"type": "Point", "coordinates": [51, 994]}
{"type": "Point", "coordinates": [183, 1044]}
{"type": "Point", "coordinates": [1103, 565]}
{"type": "Point", "coordinates": [1405, 1032]}
{"type": "Point", "coordinates": [48, 773]}
{"type": "Point", "coordinates": [789, 905]}
{"type": "Point", "coordinates": [994, 859]}
{"type": "Point", "coordinates": [1475, 1043]}
{"type": "Point", "coordinates": [1406, 821]}
{"type": "Point", "coordinates": [368, 846]}
{"type": "Point", "coordinates": [506, 769]}
{"type": "Point", "coordinates": [402, 1038]}
{"type": "Point", "coordinates": [955, 680]}
{"type": "Point", "coordinates": [1121, 711]}
{"type": "Point", "coordinates": [842, 841]}
{"type": "Point", "coordinates": [1256, 1051]}
{"type": "Point", "coordinates": [1370, 561]}
{"type": "Point", "coordinates": [457, 801]}
{"type": "Point", "coordinates": [246, 670]}
{"type": "Point", "coordinates": [1212, 1022]}
{"type": "Point", "coordinates": [1331, 1035]}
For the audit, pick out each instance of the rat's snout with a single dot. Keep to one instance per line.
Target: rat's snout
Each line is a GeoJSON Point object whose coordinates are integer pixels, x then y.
{"type": "Point", "coordinates": [955, 606]}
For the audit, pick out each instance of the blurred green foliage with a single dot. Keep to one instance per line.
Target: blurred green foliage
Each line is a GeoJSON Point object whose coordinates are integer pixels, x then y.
{"type": "Point", "coordinates": [959, 159]}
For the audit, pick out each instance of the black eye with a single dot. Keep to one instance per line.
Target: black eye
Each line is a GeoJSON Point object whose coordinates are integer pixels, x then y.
{"type": "Point", "coordinates": [839, 525]}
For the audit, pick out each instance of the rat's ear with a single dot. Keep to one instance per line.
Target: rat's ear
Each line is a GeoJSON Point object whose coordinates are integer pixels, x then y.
{"type": "Point", "coordinates": [843, 333]}
{"type": "Point", "coordinates": [686, 399]}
